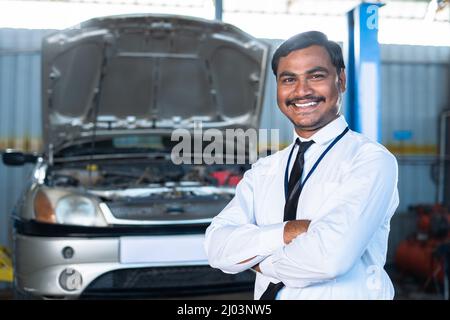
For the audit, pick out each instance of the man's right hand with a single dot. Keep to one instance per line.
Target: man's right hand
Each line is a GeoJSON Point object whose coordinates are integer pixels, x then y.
{"type": "Point", "coordinates": [291, 230]}
{"type": "Point", "coordinates": [294, 228]}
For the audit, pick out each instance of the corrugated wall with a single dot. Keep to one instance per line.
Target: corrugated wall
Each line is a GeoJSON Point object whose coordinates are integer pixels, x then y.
{"type": "Point", "coordinates": [415, 85]}
{"type": "Point", "coordinates": [271, 117]}
{"type": "Point", "coordinates": [415, 82]}
{"type": "Point", "coordinates": [20, 124]}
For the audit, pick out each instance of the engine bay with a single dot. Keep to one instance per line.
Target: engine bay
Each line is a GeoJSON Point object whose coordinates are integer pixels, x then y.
{"type": "Point", "coordinates": [119, 174]}
{"type": "Point", "coordinates": [151, 190]}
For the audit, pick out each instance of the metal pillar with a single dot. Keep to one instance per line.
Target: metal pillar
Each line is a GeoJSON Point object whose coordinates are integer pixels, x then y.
{"type": "Point", "coordinates": [362, 52]}
{"type": "Point", "coordinates": [219, 9]}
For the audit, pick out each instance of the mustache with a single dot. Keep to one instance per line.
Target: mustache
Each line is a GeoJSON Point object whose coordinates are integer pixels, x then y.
{"type": "Point", "coordinates": [308, 97]}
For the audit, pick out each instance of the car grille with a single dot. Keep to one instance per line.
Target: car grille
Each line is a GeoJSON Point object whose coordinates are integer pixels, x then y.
{"type": "Point", "coordinates": [166, 282]}
{"type": "Point", "coordinates": [167, 210]}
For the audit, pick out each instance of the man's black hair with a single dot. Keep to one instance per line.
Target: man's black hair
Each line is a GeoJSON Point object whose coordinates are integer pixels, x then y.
{"type": "Point", "coordinates": [305, 40]}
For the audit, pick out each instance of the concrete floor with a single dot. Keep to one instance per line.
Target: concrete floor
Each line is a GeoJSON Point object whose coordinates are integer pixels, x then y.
{"type": "Point", "coordinates": [5, 293]}
{"type": "Point", "coordinates": [410, 288]}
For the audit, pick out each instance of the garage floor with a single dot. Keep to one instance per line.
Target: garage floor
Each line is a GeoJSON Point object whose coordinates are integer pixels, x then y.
{"type": "Point", "coordinates": [411, 288]}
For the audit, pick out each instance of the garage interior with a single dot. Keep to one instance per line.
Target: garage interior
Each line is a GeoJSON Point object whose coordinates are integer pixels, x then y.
{"type": "Point", "coordinates": [413, 112]}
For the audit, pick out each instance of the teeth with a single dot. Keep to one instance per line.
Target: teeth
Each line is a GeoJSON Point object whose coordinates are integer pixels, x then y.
{"type": "Point", "coordinates": [304, 105]}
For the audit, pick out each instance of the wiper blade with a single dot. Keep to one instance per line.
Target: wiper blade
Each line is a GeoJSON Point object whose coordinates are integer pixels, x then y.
{"type": "Point", "coordinates": [61, 158]}
{"type": "Point", "coordinates": [103, 151]}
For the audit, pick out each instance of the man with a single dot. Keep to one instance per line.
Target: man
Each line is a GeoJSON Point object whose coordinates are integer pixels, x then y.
{"type": "Point", "coordinates": [313, 219]}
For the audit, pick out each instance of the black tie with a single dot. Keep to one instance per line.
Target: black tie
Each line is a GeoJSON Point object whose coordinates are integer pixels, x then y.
{"type": "Point", "coordinates": [294, 184]}
{"type": "Point", "coordinates": [290, 207]}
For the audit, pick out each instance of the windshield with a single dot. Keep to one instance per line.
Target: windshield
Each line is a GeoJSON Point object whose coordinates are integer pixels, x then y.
{"type": "Point", "coordinates": [123, 144]}
{"type": "Point", "coordinates": [159, 146]}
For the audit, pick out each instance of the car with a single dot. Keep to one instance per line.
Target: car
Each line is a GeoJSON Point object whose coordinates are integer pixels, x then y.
{"type": "Point", "coordinates": [108, 213]}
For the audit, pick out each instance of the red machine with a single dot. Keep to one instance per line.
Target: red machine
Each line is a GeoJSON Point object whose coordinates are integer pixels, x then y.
{"type": "Point", "coordinates": [226, 177]}
{"type": "Point", "coordinates": [417, 255]}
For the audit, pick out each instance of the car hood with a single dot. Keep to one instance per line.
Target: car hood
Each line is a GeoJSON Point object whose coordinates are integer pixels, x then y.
{"type": "Point", "coordinates": [149, 73]}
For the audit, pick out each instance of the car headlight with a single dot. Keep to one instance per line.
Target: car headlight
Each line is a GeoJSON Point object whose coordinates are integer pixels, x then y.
{"type": "Point", "coordinates": [74, 209]}
{"type": "Point", "coordinates": [63, 207]}
{"type": "Point", "coordinates": [43, 208]}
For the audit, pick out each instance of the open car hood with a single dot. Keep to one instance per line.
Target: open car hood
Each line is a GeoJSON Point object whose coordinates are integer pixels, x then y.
{"type": "Point", "coordinates": [147, 73]}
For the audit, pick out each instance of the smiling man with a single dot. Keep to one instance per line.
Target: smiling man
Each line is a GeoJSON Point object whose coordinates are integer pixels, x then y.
{"type": "Point", "coordinates": [313, 219]}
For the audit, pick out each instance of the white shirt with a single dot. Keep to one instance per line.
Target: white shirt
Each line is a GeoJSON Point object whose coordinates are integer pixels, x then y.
{"type": "Point", "coordinates": [350, 199]}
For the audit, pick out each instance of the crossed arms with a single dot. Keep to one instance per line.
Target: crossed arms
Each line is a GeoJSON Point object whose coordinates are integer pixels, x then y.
{"type": "Point", "coordinates": [300, 253]}
{"type": "Point", "coordinates": [291, 230]}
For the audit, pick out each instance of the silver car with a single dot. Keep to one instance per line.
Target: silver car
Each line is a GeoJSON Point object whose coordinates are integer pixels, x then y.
{"type": "Point", "coordinates": [107, 212]}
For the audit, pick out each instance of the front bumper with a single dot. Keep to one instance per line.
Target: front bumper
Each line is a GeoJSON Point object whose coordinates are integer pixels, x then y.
{"type": "Point", "coordinates": [163, 282]}
{"type": "Point", "coordinates": [42, 270]}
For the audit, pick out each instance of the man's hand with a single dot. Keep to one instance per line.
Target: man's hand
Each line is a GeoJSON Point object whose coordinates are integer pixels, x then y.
{"type": "Point", "coordinates": [294, 228]}
{"type": "Point", "coordinates": [291, 230]}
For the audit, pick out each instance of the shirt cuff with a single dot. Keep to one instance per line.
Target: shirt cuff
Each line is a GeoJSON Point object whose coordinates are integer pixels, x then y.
{"type": "Point", "coordinates": [271, 238]}
{"type": "Point", "coordinates": [267, 267]}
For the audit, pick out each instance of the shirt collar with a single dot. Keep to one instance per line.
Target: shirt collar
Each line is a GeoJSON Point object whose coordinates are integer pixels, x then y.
{"type": "Point", "coordinates": [327, 133]}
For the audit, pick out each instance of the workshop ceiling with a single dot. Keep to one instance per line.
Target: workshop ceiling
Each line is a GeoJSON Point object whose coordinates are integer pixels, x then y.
{"type": "Point", "coordinates": [437, 10]}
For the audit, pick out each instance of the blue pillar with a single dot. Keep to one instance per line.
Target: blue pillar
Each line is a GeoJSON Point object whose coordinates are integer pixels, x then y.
{"type": "Point", "coordinates": [362, 52]}
{"type": "Point", "coordinates": [219, 9]}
